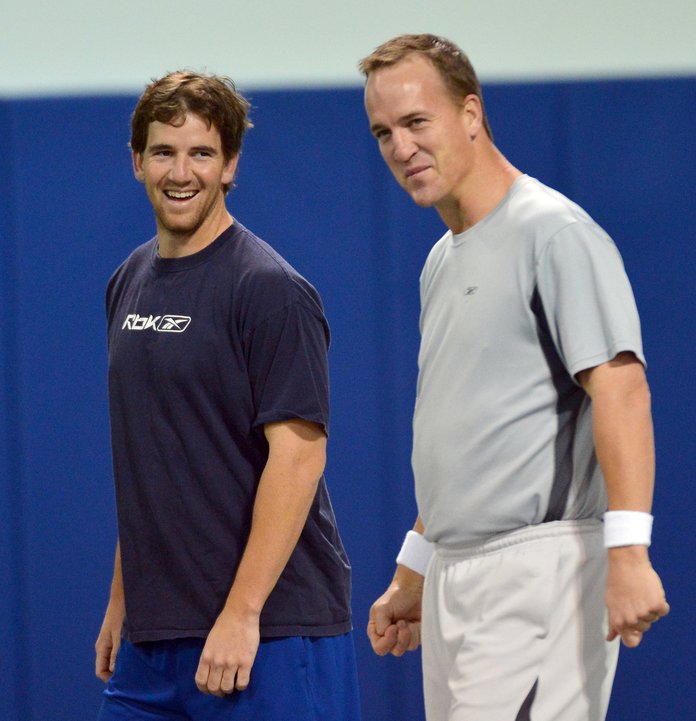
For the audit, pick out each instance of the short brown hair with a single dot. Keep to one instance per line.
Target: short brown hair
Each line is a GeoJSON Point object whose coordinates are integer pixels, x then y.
{"type": "Point", "coordinates": [450, 61]}
{"type": "Point", "coordinates": [213, 98]}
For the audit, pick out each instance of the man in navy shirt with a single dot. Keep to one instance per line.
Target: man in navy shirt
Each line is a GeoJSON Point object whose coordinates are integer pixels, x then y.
{"type": "Point", "coordinates": [231, 590]}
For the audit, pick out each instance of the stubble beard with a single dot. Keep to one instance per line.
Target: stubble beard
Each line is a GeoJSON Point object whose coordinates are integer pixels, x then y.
{"type": "Point", "coordinates": [182, 229]}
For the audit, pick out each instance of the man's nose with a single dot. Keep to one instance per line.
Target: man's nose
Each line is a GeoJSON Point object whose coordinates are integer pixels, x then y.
{"type": "Point", "coordinates": [180, 171]}
{"type": "Point", "coordinates": [404, 146]}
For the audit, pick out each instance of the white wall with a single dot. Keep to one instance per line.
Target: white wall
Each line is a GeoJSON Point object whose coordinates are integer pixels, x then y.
{"type": "Point", "coordinates": [78, 46]}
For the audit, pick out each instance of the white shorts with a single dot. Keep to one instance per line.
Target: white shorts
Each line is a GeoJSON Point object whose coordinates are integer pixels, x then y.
{"type": "Point", "coordinates": [514, 629]}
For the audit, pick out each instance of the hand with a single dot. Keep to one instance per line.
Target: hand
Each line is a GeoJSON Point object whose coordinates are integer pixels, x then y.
{"type": "Point", "coordinates": [635, 597]}
{"type": "Point", "coordinates": [228, 654]}
{"type": "Point", "coordinates": [109, 639]}
{"type": "Point", "coordinates": [395, 617]}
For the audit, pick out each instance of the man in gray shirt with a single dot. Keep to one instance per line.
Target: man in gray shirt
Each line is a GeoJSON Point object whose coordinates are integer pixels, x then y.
{"type": "Point", "coordinates": [533, 450]}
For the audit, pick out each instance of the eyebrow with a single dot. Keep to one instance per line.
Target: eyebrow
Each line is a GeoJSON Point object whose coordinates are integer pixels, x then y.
{"type": "Point", "coordinates": [204, 148]}
{"type": "Point", "coordinates": [196, 149]}
{"type": "Point", "coordinates": [401, 121]}
{"type": "Point", "coordinates": [159, 146]}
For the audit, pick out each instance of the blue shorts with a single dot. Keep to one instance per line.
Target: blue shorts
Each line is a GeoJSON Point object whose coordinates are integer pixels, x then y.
{"type": "Point", "coordinates": [300, 678]}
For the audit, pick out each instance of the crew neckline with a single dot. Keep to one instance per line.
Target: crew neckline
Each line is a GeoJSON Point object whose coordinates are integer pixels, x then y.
{"type": "Point", "coordinates": [173, 265]}
{"type": "Point", "coordinates": [458, 238]}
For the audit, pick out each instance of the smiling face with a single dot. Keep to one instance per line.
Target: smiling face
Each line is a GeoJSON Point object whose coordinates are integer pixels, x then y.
{"type": "Point", "coordinates": [184, 170]}
{"type": "Point", "coordinates": [425, 137]}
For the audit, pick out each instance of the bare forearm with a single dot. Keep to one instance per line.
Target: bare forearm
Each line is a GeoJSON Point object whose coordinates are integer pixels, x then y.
{"type": "Point", "coordinates": [296, 458]}
{"type": "Point", "coordinates": [280, 513]}
{"type": "Point", "coordinates": [109, 637]}
{"type": "Point", "coordinates": [285, 494]}
{"type": "Point", "coordinates": [623, 435]}
{"type": "Point", "coordinates": [623, 431]}
{"type": "Point", "coordinates": [117, 580]}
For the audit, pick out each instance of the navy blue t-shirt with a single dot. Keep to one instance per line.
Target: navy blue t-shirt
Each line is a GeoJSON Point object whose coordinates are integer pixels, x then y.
{"type": "Point", "coordinates": [203, 351]}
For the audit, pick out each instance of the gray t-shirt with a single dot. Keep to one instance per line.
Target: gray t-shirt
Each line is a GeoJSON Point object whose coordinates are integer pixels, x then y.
{"type": "Point", "coordinates": [511, 310]}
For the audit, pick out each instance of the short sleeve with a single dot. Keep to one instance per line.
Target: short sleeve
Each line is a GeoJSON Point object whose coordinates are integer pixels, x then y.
{"type": "Point", "coordinates": [587, 298]}
{"type": "Point", "coordinates": [287, 361]}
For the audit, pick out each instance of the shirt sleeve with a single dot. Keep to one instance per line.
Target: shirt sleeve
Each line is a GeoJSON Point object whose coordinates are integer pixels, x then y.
{"type": "Point", "coordinates": [288, 366]}
{"type": "Point", "coordinates": [587, 298]}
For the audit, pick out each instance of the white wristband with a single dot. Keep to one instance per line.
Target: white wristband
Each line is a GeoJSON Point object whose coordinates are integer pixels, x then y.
{"type": "Point", "coordinates": [627, 528]}
{"type": "Point", "coordinates": [415, 552]}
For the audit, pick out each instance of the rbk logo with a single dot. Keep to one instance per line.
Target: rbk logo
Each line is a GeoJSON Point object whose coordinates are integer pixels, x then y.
{"type": "Point", "coordinates": [173, 323]}
{"type": "Point", "coordinates": [160, 323]}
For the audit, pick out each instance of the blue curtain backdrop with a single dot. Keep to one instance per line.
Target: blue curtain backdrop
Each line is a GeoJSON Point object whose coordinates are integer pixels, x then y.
{"type": "Point", "coordinates": [311, 183]}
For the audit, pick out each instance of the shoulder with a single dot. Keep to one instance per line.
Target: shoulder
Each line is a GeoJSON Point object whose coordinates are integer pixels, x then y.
{"type": "Point", "coordinates": [436, 255]}
{"type": "Point", "coordinates": [257, 257]}
{"type": "Point", "coordinates": [264, 270]}
{"type": "Point", "coordinates": [134, 265]}
{"type": "Point", "coordinates": [546, 210]}
{"type": "Point", "coordinates": [264, 281]}
{"type": "Point", "coordinates": [551, 221]}
{"type": "Point", "coordinates": [139, 257]}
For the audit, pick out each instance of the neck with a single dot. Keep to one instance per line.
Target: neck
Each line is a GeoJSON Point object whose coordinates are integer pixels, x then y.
{"type": "Point", "coordinates": [481, 191]}
{"type": "Point", "coordinates": [177, 244]}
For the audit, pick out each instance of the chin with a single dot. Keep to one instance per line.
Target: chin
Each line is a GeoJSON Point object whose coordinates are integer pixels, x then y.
{"type": "Point", "coordinates": [182, 230]}
{"type": "Point", "coordinates": [423, 201]}
{"type": "Point", "coordinates": [178, 224]}
{"type": "Point", "coordinates": [425, 196]}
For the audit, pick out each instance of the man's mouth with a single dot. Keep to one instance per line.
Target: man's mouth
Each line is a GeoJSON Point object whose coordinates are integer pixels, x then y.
{"type": "Point", "coordinates": [414, 171]}
{"type": "Point", "coordinates": [180, 194]}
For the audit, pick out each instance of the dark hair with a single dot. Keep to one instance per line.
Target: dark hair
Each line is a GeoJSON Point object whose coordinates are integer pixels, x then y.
{"type": "Point", "coordinates": [211, 97]}
{"type": "Point", "coordinates": [450, 61]}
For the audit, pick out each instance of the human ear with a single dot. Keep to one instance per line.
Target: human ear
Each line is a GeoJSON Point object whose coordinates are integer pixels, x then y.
{"type": "Point", "coordinates": [472, 113]}
{"type": "Point", "coordinates": [228, 172]}
{"type": "Point", "coordinates": [138, 169]}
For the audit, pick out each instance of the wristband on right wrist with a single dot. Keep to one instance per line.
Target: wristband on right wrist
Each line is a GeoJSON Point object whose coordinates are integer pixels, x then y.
{"type": "Point", "coordinates": [627, 528]}
{"type": "Point", "coordinates": [415, 552]}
